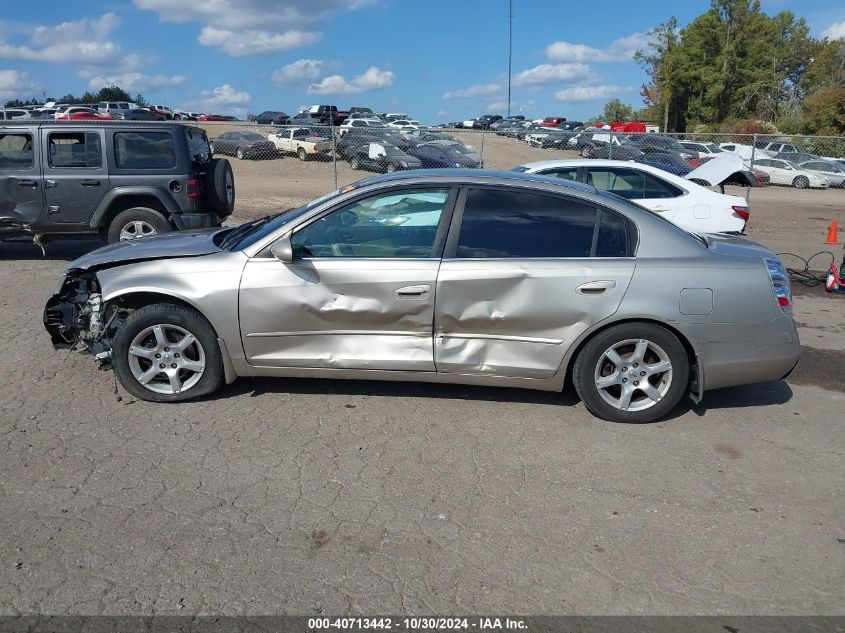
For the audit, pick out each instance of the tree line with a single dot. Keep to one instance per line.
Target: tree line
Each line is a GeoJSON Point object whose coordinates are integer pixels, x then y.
{"type": "Point", "coordinates": [108, 93]}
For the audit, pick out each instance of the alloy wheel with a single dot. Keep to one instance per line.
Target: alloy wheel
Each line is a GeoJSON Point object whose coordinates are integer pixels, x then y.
{"type": "Point", "coordinates": [166, 359]}
{"type": "Point", "coordinates": [633, 375]}
{"type": "Point", "coordinates": [135, 230]}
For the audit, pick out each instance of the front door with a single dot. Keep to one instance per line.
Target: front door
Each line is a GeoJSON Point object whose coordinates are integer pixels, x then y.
{"type": "Point", "coordinates": [524, 275]}
{"type": "Point", "coordinates": [76, 175]}
{"type": "Point", "coordinates": [359, 293]}
{"type": "Point", "coordinates": [21, 192]}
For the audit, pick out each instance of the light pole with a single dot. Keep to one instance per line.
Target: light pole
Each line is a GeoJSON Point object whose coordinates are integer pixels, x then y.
{"type": "Point", "coordinates": [510, 47]}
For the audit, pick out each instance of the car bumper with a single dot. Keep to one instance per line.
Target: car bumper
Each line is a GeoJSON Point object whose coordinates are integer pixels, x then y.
{"type": "Point", "coordinates": [740, 354]}
{"type": "Point", "coordinates": [186, 221]}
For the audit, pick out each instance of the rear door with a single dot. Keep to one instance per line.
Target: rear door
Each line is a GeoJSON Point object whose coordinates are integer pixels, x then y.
{"type": "Point", "coordinates": [524, 274]}
{"type": "Point", "coordinates": [76, 175]}
{"type": "Point", "coordinates": [21, 184]}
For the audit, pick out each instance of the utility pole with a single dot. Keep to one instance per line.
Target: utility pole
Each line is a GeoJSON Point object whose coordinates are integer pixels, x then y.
{"type": "Point", "coordinates": [510, 48]}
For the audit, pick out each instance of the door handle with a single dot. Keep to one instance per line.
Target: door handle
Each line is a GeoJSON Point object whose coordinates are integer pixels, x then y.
{"type": "Point", "coordinates": [49, 184]}
{"type": "Point", "coordinates": [661, 208]}
{"type": "Point", "coordinates": [90, 183]}
{"type": "Point", "coordinates": [413, 292]}
{"type": "Point", "coordinates": [27, 183]}
{"type": "Point", "coordinates": [595, 287]}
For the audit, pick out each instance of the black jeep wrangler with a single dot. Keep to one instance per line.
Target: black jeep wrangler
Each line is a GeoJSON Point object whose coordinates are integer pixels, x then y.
{"type": "Point", "coordinates": [121, 180]}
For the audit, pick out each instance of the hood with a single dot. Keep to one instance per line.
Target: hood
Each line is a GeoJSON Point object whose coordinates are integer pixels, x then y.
{"type": "Point", "coordinates": [717, 170]}
{"type": "Point", "coordinates": [176, 244]}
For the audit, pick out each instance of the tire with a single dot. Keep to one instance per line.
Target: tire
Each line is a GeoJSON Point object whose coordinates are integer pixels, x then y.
{"type": "Point", "coordinates": [354, 164]}
{"type": "Point", "coordinates": [585, 151]}
{"type": "Point", "coordinates": [220, 187]}
{"type": "Point", "coordinates": [303, 155]}
{"type": "Point", "coordinates": [135, 223]}
{"type": "Point", "coordinates": [608, 402]}
{"type": "Point", "coordinates": [159, 327]}
{"type": "Point", "coordinates": [239, 154]}
{"type": "Point", "coordinates": [391, 168]}
{"type": "Point", "coordinates": [801, 182]}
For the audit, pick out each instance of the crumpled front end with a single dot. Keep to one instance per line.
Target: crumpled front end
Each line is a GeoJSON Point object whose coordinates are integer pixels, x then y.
{"type": "Point", "coordinates": [74, 316]}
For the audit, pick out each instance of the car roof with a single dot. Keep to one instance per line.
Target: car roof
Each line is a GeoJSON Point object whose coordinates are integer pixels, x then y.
{"type": "Point", "coordinates": [458, 176]}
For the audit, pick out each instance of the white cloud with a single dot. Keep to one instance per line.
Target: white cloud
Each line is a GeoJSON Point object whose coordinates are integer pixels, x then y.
{"type": "Point", "coordinates": [551, 73]}
{"type": "Point", "coordinates": [249, 27]}
{"type": "Point", "coordinates": [835, 31]}
{"type": "Point", "coordinates": [14, 84]}
{"type": "Point", "coordinates": [589, 93]}
{"type": "Point", "coordinates": [223, 99]}
{"type": "Point", "coordinates": [620, 50]}
{"type": "Point", "coordinates": [441, 113]}
{"type": "Point", "coordinates": [475, 90]}
{"type": "Point", "coordinates": [498, 105]}
{"type": "Point", "coordinates": [79, 41]}
{"type": "Point", "coordinates": [300, 70]}
{"type": "Point", "coordinates": [135, 82]}
{"type": "Point", "coordinates": [373, 79]}
{"type": "Point", "coordinates": [516, 106]}
{"type": "Point", "coordinates": [240, 43]}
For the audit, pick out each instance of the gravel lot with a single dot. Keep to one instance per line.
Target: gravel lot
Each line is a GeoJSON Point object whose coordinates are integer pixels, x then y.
{"type": "Point", "coordinates": [311, 497]}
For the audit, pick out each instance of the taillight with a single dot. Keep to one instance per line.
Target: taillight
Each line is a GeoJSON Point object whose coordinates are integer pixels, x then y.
{"type": "Point", "coordinates": [194, 187]}
{"type": "Point", "coordinates": [742, 212]}
{"type": "Point", "coordinates": [780, 283]}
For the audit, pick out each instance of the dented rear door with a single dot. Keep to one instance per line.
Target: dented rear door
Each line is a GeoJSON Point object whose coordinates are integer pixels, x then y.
{"type": "Point", "coordinates": [524, 274]}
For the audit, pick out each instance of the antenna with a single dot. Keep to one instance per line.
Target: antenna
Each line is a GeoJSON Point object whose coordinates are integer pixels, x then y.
{"type": "Point", "coordinates": [510, 47]}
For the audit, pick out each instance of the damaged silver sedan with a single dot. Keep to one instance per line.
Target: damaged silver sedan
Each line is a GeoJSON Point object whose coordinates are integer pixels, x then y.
{"type": "Point", "coordinates": [482, 278]}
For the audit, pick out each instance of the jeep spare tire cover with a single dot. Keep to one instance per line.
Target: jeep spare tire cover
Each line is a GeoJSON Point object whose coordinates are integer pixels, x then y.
{"type": "Point", "coordinates": [220, 186]}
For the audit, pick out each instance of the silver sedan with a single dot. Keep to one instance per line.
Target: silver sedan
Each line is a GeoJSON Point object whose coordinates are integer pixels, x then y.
{"type": "Point", "coordinates": [473, 277]}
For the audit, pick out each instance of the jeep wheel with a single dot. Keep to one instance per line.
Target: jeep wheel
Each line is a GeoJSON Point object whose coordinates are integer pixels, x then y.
{"type": "Point", "coordinates": [220, 187]}
{"type": "Point", "coordinates": [303, 155]}
{"type": "Point", "coordinates": [136, 223]}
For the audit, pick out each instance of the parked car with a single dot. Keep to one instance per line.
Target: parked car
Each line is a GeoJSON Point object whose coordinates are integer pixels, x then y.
{"type": "Point", "coordinates": [662, 143]}
{"type": "Point", "coordinates": [569, 125]}
{"type": "Point", "coordinates": [436, 156]}
{"type": "Point", "coordinates": [306, 119]}
{"type": "Point", "coordinates": [701, 149]}
{"type": "Point", "coordinates": [626, 151]}
{"type": "Point", "coordinates": [243, 145]}
{"type": "Point", "coordinates": [671, 163]}
{"type": "Point", "coordinates": [272, 117]}
{"type": "Point", "coordinates": [587, 141]}
{"type": "Point", "coordinates": [109, 179]}
{"type": "Point", "coordinates": [350, 124]}
{"type": "Point", "coordinates": [361, 110]}
{"type": "Point", "coordinates": [383, 158]}
{"type": "Point", "coordinates": [484, 122]}
{"type": "Point", "coordinates": [163, 110]}
{"type": "Point", "coordinates": [212, 118]}
{"type": "Point", "coordinates": [78, 113]}
{"type": "Point", "coordinates": [141, 114]}
{"type": "Point", "coordinates": [327, 114]}
{"type": "Point", "coordinates": [832, 171]}
{"type": "Point", "coordinates": [746, 152]}
{"type": "Point", "coordinates": [552, 121]}
{"type": "Point", "coordinates": [550, 137]}
{"type": "Point", "coordinates": [117, 109]}
{"type": "Point", "coordinates": [300, 141]}
{"type": "Point", "coordinates": [775, 147]}
{"type": "Point", "coordinates": [349, 144]}
{"type": "Point", "coordinates": [679, 200]}
{"type": "Point", "coordinates": [796, 157]}
{"type": "Point", "coordinates": [362, 286]}
{"type": "Point", "coordinates": [783, 172]}
{"type": "Point", "coordinates": [9, 114]}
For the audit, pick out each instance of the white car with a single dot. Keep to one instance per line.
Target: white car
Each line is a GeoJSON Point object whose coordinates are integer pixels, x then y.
{"type": "Point", "coordinates": [745, 152]}
{"type": "Point", "coordinates": [692, 207]}
{"type": "Point", "coordinates": [359, 123]}
{"type": "Point", "coordinates": [783, 172]}
{"type": "Point", "coordinates": [702, 149]}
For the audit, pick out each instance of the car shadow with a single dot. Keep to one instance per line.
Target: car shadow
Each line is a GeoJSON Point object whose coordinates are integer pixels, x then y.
{"type": "Point", "coordinates": [66, 250]}
{"type": "Point", "coordinates": [756, 395]}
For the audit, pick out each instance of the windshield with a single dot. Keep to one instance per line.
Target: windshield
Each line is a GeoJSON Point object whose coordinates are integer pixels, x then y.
{"type": "Point", "coordinates": [714, 148]}
{"type": "Point", "coordinates": [393, 151]}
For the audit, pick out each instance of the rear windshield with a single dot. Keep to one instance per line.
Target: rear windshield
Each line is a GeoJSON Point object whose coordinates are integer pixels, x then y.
{"type": "Point", "coordinates": [144, 150]}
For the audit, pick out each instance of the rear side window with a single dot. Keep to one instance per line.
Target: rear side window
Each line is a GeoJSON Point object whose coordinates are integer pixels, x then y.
{"type": "Point", "coordinates": [75, 150]}
{"type": "Point", "coordinates": [197, 145]}
{"type": "Point", "coordinates": [612, 239]}
{"type": "Point", "coordinates": [144, 150]}
{"type": "Point", "coordinates": [567, 173]}
{"type": "Point", "coordinates": [630, 183]}
{"type": "Point", "coordinates": [16, 151]}
{"type": "Point", "coordinates": [499, 223]}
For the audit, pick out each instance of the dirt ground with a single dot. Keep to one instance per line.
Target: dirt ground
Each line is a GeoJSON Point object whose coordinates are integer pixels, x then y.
{"type": "Point", "coordinates": [321, 497]}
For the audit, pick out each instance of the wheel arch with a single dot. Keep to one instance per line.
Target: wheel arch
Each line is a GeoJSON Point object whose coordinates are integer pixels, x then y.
{"type": "Point", "coordinates": [119, 200]}
{"type": "Point", "coordinates": [569, 360]}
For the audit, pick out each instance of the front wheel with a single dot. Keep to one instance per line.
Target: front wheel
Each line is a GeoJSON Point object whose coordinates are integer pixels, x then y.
{"type": "Point", "coordinates": [167, 353]}
{"type": "Point", "coordinates": [239, 154]}
{"type": "Point", "coordinates": [801, 182]}
{"type": "Point", "coordinates": [391, 168]}
{"type": "Point", "coordinates": [303, 155]}
{"type": "Point", "coordinates": [585, 151]}
{"type": "Point", "coordinates": [136, 223]}
{"type": "Point", "coordinates": [634, 372]}
{"type": "Point", "coordinates": [354, 163]}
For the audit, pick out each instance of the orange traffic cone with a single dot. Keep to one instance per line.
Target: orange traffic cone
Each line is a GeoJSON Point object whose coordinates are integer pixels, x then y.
{"type": "Point", "coordinates": [832, 237]}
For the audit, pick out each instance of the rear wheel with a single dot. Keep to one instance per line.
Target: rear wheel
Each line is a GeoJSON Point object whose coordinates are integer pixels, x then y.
{"type": "Point", "coordinates": [801, 182]}
{"type": "Point", "coordinates": [634, 372]}
{"type": "Point", "coordinates": [239, 154]}
{"type": "Point", "coordinates": [586, 151]}
{"type": "Point", "coordinates": [136, 223]}
{"type": "Point", "coordinates": [390, 168]}
{"type": "Point", "coordinates": [354, 164]}
{"type": "Point", "coordinates": [167, 353]}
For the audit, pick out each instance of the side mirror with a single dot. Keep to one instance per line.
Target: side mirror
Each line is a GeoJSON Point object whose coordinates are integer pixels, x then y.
{"type": "Point", "coordinates": [282, 249]}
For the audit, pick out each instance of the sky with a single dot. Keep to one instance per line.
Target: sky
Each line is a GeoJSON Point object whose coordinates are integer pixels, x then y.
{"type": "Point", "coordinates": [436, 61]}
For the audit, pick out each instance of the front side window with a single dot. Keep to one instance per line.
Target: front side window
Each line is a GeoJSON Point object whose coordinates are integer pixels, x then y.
{"type": "Point", "coordinates": [395, 224]}
{"type": "Point", "coordinates": [16, 151]}
{"type": "Point", "coordinates": [144, 150]}
{"type": "Point", "coordinates": [503, 223]}
{"type": "Point", "coordinates": [75, 150]}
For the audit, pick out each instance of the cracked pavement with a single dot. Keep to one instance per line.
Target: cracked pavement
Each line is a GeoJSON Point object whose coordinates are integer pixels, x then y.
{"type": "Point", "coordinates": [310, 497]}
